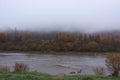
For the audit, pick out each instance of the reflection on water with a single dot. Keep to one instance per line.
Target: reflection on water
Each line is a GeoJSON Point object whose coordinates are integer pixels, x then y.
{"type": "Point", "coordinates": [54, 64]}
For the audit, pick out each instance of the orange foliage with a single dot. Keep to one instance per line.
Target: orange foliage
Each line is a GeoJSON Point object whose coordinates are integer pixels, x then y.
{"type": "Point", "coordinates": [63, 36]}
{"type": "Point", "coordinates": [3, 37]}
{"type": "Point", "coordinates": [73, 37]}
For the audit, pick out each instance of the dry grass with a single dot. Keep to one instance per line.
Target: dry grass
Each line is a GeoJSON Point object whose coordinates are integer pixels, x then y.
{"type": "Point", "coordinates": [21, 67]}
{"type": "Point", "coordinates": [4, 69]}
{"type": "Point", "coordinates": [99, 71]}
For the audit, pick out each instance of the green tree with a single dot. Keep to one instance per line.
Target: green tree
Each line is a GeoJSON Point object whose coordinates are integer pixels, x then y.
{"type": "Point", "coordinates": [92, 46]}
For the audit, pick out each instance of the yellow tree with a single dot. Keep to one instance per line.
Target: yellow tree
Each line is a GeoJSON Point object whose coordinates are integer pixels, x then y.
{"type": "Point", "coordinates": [63, 36]}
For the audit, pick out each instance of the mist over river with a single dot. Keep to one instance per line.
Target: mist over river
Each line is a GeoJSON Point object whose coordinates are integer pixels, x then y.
{"type": "Point", "coordinates": [54, 64]}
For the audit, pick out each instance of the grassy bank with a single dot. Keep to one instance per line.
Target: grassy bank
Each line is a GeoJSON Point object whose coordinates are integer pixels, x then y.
{"type": "Point", "coordinates": [41, 76]}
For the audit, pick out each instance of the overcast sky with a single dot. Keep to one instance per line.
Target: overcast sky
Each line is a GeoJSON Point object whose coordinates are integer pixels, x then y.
{"type": "Point", "coordinates": [71, 15]}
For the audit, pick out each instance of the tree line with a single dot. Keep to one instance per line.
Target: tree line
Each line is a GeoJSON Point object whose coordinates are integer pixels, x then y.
{"type": "Point", "coordinates": [58, 41]}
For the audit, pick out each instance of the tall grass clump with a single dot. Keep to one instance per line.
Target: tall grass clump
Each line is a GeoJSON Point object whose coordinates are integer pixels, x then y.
{"type": "Point", "coordinates": [21, 67]}
{"type": "Point", "coordinates": [4, 69]}
{"type": "Point", "coordinates": [99, 70]}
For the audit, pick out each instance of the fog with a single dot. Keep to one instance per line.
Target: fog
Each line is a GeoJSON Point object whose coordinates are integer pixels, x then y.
{"type": "Point", "coordinates": [60, 15]}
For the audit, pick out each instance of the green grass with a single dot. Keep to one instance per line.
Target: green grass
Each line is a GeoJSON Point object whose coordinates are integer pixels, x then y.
{"type": "Point", "coordinates": [90, 77]}
{"type": "Point", "coordinates": [41, 76]}
{"type": "Point", "coordinates": [26, 76]}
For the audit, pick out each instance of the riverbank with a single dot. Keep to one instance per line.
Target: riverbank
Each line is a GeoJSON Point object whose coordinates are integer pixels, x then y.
{"type": "Point", "coordinates": [42, 76]}
{"type": "Point", "coordinates": [61, 52]}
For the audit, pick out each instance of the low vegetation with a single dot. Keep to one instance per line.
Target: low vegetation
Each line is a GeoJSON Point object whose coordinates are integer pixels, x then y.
{"type": "Point", "coordinates": [99, 71]}
{"type": "Point", "coordinates": [4, 69]}
{"type": "Point", "coordinates": [21, 67]}
{"type": "Point", "coordinates": [41, 76]}
{"type": "Point", "coordinates": [25, 76]}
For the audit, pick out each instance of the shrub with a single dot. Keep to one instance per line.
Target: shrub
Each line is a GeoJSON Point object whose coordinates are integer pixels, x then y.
{"type": "Point", "coordinates": [21, 67]}
{"type": "Point", "coordinates": [99, 70]}
{"type": "Point", "coordinates": [113, 64]}
{"type": "Point", "coordinates": [4, 69]}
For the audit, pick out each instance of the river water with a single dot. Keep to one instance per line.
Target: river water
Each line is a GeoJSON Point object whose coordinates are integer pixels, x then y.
{"type": "Point", "coordinates": [54, 64]}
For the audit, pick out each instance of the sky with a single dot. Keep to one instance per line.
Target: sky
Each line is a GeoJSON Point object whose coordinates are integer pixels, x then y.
{"type": "Point", "coordinates": [65, 15]}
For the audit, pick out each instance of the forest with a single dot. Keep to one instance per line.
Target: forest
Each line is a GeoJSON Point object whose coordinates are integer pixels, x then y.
{"type": "Point", "coordinates": [59, 41]}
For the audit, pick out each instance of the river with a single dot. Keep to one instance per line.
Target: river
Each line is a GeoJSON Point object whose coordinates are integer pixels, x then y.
{"type": "Point", "coordinates": [54, 64]}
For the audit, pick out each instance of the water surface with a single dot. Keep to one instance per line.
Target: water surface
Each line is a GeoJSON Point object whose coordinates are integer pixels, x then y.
{"type": "Point", "coordinates": [54, 64]}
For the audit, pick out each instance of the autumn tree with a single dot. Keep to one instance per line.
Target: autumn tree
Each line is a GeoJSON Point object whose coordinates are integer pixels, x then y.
{"type": "Point", "coordinates": [73, 37]}
{"type": "Point", "coordinates": [63, 36]}
{"type": "Point", "coordinates": [113, 64]}
{"type": "Point", "coordinates": [3, 37]}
